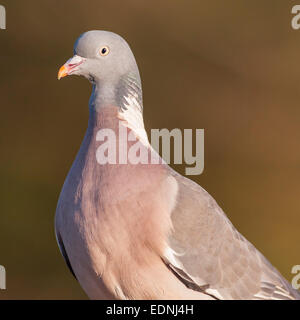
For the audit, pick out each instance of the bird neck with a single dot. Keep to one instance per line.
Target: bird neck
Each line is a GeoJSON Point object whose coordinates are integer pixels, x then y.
{"type": "Point", "coordinates": [124, 95]}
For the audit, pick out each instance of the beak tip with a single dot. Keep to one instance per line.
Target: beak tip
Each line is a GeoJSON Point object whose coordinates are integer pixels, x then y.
{"type": "Point", "coordinates": [63, 72]}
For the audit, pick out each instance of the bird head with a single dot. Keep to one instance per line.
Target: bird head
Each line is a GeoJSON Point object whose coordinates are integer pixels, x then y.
{"type": "Point", "coordinates": [100, 56]}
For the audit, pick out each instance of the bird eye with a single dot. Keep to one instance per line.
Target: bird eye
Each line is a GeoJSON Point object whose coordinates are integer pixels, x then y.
{"type": "Point", "coordinates": [104, 51]}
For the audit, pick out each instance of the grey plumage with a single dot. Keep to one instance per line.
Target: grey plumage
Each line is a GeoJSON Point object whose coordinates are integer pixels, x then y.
{"type": "Point", "coordinates": [215, 255]}
{"type": "Point", "coordinates": [144, 231]}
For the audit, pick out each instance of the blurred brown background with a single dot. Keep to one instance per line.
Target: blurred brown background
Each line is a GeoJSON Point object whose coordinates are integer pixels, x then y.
{"type": "Point", "coordinates": [230, 67]}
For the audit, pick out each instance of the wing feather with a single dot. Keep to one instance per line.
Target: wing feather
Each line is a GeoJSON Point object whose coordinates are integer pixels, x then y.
{"type": "Point", "coordinates": [64, 253]}
{"type": "Point", "coordinates": [207, 252]}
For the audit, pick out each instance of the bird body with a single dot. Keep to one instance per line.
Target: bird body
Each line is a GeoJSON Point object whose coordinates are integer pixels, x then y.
{"type": "Point", "coordinates": [142, 231]}
{"type": "Point", "coordinates": [125, 247]}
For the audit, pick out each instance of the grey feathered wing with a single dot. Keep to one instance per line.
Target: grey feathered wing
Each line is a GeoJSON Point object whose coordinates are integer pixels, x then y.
{"type": "Point", "coordinates": [64, 252]}
{"type": "Point", "coordinates": [208, 254]}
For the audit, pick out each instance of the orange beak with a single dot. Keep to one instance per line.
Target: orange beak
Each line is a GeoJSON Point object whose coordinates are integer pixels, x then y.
{"type": "Point", "coordinates": [63, 72]}
{"type": "Point", "coordinates": [70, 67]}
